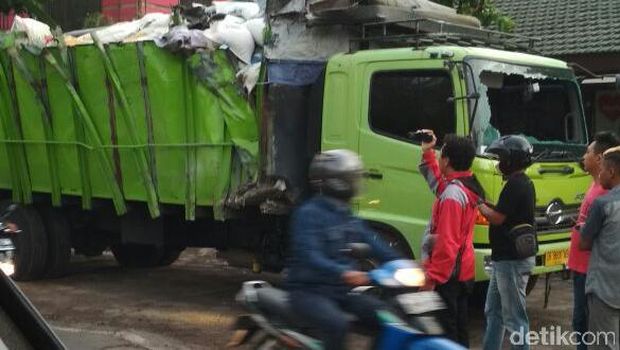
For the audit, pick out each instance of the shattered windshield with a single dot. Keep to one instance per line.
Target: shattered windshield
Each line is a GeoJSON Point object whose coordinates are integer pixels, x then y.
{"type": "Point", "coordinates": [541, 104]}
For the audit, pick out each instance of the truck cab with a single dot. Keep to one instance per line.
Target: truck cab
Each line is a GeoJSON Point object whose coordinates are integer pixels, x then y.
{"type": "Point", "coordinates": [374, 98]}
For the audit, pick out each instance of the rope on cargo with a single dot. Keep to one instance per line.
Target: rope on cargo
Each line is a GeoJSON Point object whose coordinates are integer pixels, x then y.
{"type": "Point", "coordinates": [90, 147]}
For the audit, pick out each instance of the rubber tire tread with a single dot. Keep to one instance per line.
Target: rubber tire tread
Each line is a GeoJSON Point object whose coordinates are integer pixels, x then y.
{"type": "Point", "coordinates": [137, 255]}
{"type": "Point", "coordinates": [58, 242]}
{"type": "Point", "coordinates": [170, 255]}
{"type": "Point", "coordinates": [395, 241]}
{"type": "Point", "coordinates": [31, 243]}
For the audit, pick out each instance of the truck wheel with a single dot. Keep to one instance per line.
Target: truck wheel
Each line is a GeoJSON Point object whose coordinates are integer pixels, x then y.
{"type": "Point", "coordinates": [31, 244]}
{"type": "Point", "coordinates": [137, 255]}
{"type": "Point", "coordinates": [170, 255]}
{"type": "Point", "coordinates": [58, 241]}
{"type": "Point", "coordinates": [394, 240]}
{"type": "Point", "coordinates": [145, 255]}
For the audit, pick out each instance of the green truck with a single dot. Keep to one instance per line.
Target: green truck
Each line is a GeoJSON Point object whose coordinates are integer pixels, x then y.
{"type": "Point", "coordinates": [146, 152]}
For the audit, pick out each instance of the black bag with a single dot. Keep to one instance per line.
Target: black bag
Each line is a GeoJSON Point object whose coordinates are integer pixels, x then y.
{"type": "Point", "coordinates": [524, 241]}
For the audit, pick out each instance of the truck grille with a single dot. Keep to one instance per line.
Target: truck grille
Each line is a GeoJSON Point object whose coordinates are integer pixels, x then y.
{"type": "Point", "coordinates": [569, 217]}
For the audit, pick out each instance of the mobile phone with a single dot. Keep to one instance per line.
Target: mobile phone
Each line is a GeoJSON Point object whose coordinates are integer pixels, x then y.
{"type": "Point", "coordinates": [421, 136]}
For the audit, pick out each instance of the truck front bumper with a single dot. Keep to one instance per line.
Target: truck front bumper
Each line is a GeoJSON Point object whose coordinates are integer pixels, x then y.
{"type": "Point", "coordinates": [551, 257]}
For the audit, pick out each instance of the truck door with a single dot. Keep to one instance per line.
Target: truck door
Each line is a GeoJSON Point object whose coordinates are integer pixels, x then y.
{"type": "Point", "coordinates": [399, 98]}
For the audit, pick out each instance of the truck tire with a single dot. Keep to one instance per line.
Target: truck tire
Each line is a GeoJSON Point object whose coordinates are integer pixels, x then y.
{"type": "Point", "coordinates": [394, 239]}
{"type": "Point", "coordinates": [137, 255]}
{"type": "Point", "coordinates": [170, 255]}
{"type": "Point", "coordinates": [31, 243]}
{"type": "Point", "coordinates": [145, 255]}
{"type": "Point", "coordinates": [58, 241]}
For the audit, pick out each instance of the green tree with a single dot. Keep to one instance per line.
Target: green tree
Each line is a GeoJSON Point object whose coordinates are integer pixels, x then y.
{"type": "Point", "coordinates": [36, 8]}
{"type": "Point", "coordinates": [484, 10]}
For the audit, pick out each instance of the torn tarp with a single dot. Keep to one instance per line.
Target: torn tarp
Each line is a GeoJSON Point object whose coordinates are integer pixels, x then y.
{"type": "Point", "coordinates": [214, 70]}
{"type": "Point", "coordinates": [296, 73]}
{"type": "Point", "coordinates": [183, 39]}
{"type": "Point", "coordinates": [249, 75]}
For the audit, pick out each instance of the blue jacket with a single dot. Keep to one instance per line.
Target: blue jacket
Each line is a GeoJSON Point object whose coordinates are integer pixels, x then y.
{"type": "Point", "coordinates": [320, 228]}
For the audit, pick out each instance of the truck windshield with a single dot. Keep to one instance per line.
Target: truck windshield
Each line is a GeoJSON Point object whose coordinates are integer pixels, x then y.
{"type": "Point", "coordinates": [539, 103]}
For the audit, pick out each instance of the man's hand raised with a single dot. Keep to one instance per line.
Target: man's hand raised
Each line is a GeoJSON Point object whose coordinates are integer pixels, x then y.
{"type": "Point", "coordinates": [428, 145]}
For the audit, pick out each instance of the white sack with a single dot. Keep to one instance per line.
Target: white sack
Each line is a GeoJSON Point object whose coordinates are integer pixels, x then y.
{"type": "Point", "coordinates": [38, 33]}
{"type": "Point", "coordinates": [245, 10]}
{"type": "Point", "coordinates": [232, 32]}
{"type": "Point", "coordinates": [256, 27]}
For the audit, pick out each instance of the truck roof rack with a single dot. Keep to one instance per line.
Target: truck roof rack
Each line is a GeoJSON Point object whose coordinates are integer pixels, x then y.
{"type": "Point", "coordinates": [380, 26]}
{"type": "Point", "coordinates": [424, 32]}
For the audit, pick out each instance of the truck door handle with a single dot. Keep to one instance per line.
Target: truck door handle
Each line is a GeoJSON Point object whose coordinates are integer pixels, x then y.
{"type": "Point", "coordinates": [374, 174]}
{"type": "Point", "coordinates": [566, 170]}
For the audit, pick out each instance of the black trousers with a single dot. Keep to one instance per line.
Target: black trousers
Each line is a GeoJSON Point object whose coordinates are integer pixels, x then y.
{"type": "Point", "coordinates": [456, 296]}
{"type": "Point", "coordinates": [326, 313]}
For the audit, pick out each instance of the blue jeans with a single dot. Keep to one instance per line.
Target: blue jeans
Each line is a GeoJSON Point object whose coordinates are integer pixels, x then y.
{"type": "Point", "coordinates": [580, 306]}
{"type": "Point", "coordinates": [505, 306]}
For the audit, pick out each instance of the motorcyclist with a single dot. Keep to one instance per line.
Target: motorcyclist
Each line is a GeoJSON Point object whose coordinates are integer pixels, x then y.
{"type": "Point", "coordinates": [320, 275]}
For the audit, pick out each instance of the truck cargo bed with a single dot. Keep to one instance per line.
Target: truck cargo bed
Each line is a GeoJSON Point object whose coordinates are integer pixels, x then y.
{"type": "Point", "coordinates": [125, 122]}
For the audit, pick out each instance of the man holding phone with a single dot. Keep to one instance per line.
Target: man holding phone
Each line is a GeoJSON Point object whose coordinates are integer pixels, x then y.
{"type": "Point", "coordinates": [450, 262]}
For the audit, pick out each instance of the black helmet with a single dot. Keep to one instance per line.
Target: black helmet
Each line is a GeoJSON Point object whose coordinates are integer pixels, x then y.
{"type": "Point", "coordinates": [336, 173]}
{"type": "Point", "coordinates": [514, 152]}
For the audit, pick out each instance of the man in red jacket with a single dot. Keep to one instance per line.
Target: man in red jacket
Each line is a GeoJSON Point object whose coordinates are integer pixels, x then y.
{"type": "Point", "coordinates": [450, 257]}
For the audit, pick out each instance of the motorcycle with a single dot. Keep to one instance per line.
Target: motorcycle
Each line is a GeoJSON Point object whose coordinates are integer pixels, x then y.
{"type": "Point", "coordinates": [414, 323]}
{"type": "Point", "coordinates": [7, 247]}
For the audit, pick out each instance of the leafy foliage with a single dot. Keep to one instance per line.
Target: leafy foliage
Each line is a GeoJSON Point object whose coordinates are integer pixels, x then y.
{"type": "Point", "coordinates": [484, 10]}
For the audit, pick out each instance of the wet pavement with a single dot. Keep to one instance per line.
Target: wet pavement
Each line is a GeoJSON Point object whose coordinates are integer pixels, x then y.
{"type": "Point", "coordinates": [190, 305]}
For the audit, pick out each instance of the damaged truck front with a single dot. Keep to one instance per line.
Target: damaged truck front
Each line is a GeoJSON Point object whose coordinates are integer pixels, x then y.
{"type": "Point", "coordinates": [541, 101]}
{"type": "Point", "coordinates": [373, 99]}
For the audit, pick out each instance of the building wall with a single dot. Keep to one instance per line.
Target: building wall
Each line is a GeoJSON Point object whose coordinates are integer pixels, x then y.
{"type": "Point", "coordinates": [126, 10]}
{"type": "Point", "coordinates": [70, 14]}
{"type": "Point", "coordinates": [601, 101]}
{"type": "Point", "coordinates": [6, 21]}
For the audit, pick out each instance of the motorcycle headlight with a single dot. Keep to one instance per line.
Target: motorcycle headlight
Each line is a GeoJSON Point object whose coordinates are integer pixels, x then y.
{"type": "Point", "coordinates": [8, 268]}
{"type": "Point", "coordinates": [411, 277]}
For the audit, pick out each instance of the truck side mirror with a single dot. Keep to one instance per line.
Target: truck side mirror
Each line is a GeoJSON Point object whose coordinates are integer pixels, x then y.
{"type": "Point", "coordinates": [617, 81]}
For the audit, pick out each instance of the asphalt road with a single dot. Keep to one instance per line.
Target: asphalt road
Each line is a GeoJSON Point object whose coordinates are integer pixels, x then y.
{"type": "Point", "coordinates": [190, 305]}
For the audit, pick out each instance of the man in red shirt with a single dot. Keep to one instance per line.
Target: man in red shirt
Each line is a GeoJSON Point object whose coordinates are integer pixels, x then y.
{"type": "Point", "coordinates": [578, 259]}
{"type": "Point", "coordinates": [450, 261]}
